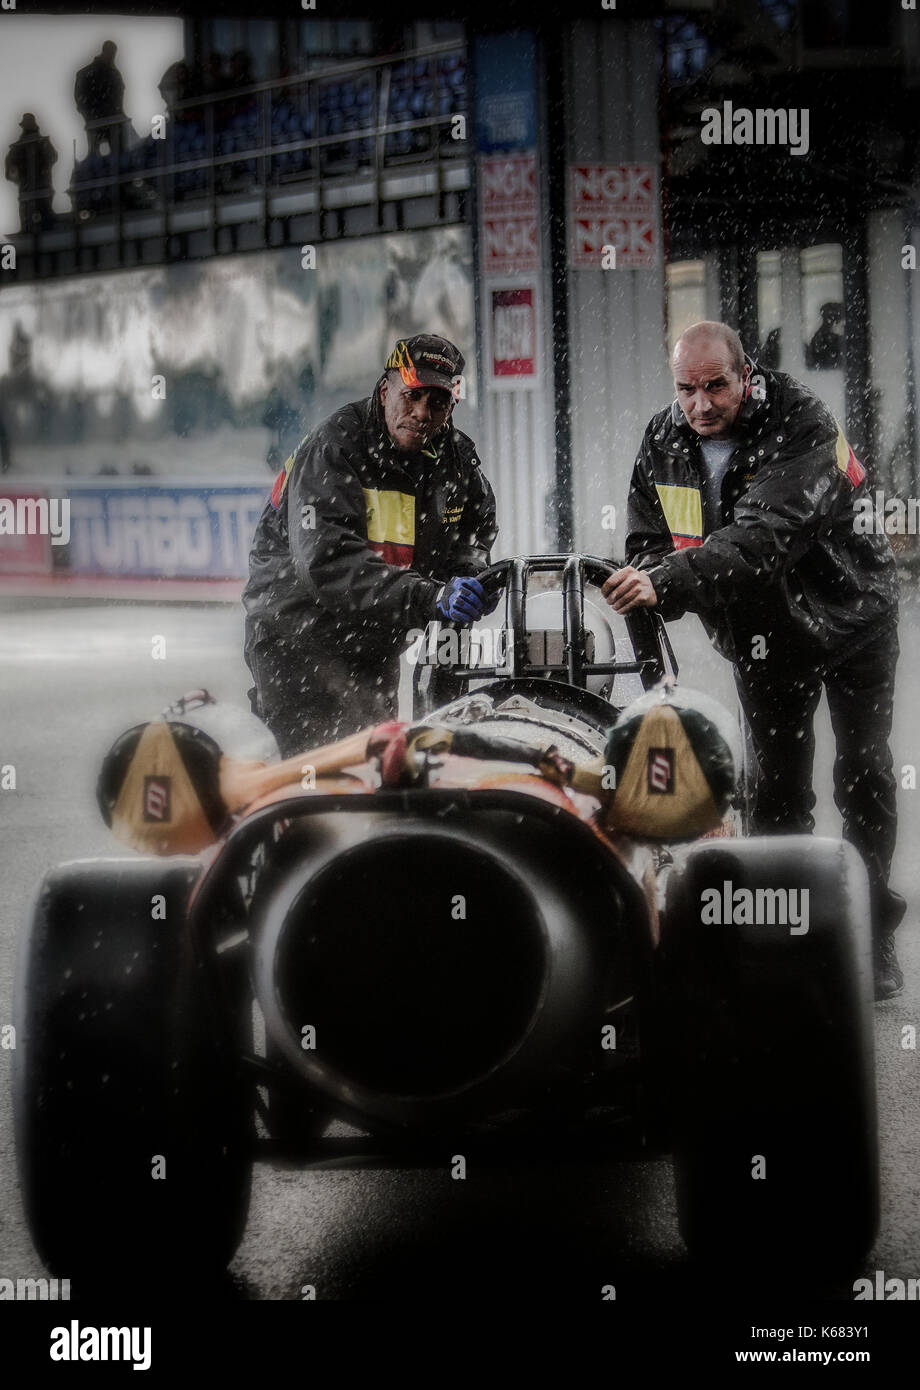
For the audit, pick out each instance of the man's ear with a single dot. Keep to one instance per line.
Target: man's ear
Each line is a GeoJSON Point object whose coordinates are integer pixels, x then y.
{"type": "Point", "coordinates": [746, 376]}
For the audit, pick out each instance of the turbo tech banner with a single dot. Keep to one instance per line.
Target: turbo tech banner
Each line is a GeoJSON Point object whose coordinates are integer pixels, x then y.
{"type": "Point", "coordinates": [163, 532]}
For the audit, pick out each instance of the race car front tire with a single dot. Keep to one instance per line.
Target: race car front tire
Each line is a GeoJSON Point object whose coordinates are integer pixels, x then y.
{"type": "Point", "coordinates": [133, 1140]}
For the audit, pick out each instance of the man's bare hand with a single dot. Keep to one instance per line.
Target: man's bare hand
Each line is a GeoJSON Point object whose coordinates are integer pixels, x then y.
{"type": "Point", "coordinates": [629, 588]}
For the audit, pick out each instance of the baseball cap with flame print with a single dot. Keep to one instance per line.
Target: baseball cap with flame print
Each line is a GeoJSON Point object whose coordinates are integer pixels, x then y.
{"type": "Point", "coordinates": [427, 360]}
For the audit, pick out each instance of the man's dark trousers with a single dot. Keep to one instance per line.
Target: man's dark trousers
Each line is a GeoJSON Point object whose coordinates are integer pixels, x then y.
{"type": "Point", "coordinates": [309, 698]}
{"type": "Point", "coordinates": [780, 705]}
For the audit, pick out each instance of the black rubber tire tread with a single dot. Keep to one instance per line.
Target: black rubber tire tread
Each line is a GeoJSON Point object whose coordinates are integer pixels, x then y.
{"type": "Point", "coordinates": [771, 1052]}
{"type": "Point", "coordinates": [117, 1062]}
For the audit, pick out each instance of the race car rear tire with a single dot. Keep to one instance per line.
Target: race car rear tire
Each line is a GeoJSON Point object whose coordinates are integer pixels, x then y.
{"type": "Point", "coordinates": [132, 1132]}
{"type": "Point", "coordinates": [771, 1059]}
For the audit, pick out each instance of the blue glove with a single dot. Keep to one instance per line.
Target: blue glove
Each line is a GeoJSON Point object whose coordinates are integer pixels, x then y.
{"type": "Point", "coordinates": [461, 600]}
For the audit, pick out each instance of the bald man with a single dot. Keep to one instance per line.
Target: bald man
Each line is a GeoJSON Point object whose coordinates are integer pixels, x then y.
{"type": "Point", "coordinates": [742, 509]}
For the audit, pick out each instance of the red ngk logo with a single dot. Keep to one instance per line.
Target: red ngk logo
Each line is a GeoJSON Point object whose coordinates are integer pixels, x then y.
{"type": "Point", "coordinates": [509, 184]}
{"type": "Point", "coordinates": [629, 236]}
{"type": "Point", "coordinates": [510, 241]}
{"type": "Point", "coordinates": [631, 184]}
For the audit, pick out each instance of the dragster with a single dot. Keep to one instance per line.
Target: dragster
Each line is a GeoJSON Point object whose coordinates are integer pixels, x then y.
{"type": "Point", "coordinates": [528, 917]}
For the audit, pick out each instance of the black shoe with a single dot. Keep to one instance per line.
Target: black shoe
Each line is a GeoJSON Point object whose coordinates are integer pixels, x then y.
{"type": "Point", "coordinates": [888, 978]}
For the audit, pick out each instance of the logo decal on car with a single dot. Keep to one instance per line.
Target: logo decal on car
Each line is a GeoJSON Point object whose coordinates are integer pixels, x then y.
{"type": "Point", "coordinates": [660, 770]}
{"type": "Point", "coordinates": [156, 798]}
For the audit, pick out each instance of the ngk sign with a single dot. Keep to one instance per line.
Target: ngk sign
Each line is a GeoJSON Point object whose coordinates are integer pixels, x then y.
{"type": "Point", "coordinates": [508, 185]}
{"type": "Point", "coordinates": [613, 205]}
{"type": "Point", "coordinates": [613, 185]}
{"type": "Point", "coordinates": [634, 240]}
{"type": "Point", "coordinates": [508, 214]}
{"type": "Point", "coordinates": [509, 244]}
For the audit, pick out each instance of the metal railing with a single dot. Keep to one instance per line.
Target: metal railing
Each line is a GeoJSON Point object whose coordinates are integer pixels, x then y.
{"type": "Point", "coordinates": [363, 154]}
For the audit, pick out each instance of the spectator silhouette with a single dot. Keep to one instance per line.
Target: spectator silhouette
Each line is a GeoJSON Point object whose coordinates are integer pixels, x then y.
{"type": "Point", "coordinates": [20, 356]}
{"type": "Point", "coordinates": [241, 69]}
{"type": "Point", "coordinates": [825, 350]}
{"type": "Point", "coordinates": [28, 165]}
{"type": "Point", "coordinates": [176, 86]}
{"type": "Point", "coordinates": [210, 78]}
{"type": "Point", "coordinates": [286, 424]}
{"type": "Point", "coordinates": [99, 92]}
{"type": "Point", "coordinates": [769, 354]}
{"type": "Point", "coordinates": [214, 78]}
{"type": "Point", "coordinates": [240, 75]}
{"type": "Point", "coordinates": [6, 457]}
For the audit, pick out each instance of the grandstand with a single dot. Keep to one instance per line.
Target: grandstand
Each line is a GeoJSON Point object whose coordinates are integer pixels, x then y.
{"type": "Point", "coordinates": [337, 145]}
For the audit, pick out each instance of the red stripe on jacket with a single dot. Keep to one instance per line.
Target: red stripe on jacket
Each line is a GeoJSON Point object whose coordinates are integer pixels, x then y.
{"type": "Point", "coordinates": [399, 555]}
{"type": "Point", "coordinates": [855, 470]}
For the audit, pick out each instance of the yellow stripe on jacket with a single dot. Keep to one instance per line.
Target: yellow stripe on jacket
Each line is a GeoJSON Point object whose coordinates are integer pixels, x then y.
{"type": "Point", "coordinates": [683, 511]}
{"type": "Point", "coordinates": [391, 525]}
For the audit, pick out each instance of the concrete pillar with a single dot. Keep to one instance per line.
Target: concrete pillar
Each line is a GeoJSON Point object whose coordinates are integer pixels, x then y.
{"type": "Point", "coordinates": [617, 349]}
{"type": "Point", "coordinates": [888, 351]}
{"type": "Point", "coordinates": [511, 254]}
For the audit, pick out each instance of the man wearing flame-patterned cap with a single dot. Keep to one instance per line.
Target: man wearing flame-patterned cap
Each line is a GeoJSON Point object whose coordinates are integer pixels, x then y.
{"type": "Point", "coordinates": [378, 523]}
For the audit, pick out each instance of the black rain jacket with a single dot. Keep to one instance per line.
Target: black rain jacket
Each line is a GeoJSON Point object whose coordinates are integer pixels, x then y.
{"type": "Point", "coordinates": [788, 562]}
{"type": "Point", "coordinates": [353, 575]}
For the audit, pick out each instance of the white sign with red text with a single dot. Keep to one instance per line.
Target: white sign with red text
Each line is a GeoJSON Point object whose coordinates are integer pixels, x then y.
{"type": "Point", "coordinates": [512, 334]}
{"type": "Point", "coordinates": [613, 206]}
{"type": "Point", "coordinates": [508, 214]}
